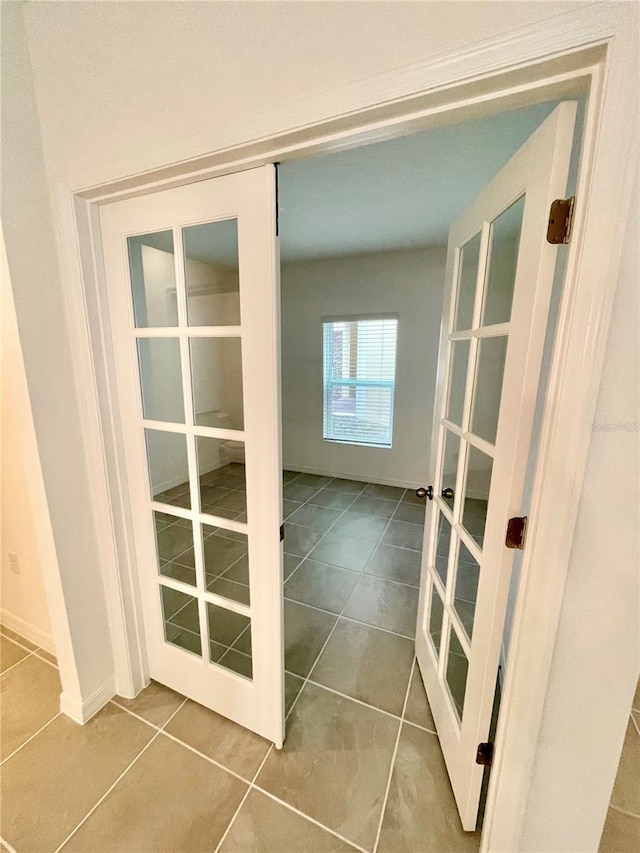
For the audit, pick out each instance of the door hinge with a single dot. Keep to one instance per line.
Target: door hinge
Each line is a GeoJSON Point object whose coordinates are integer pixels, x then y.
{"type": "Point", "coordinates": [484, 755]}
{"type": "Point", "coordinates": [560, 220]}
{"type": "Point", "coordinates": [282, 532]}
{"type": "Point", "coordinates": [516, 532]}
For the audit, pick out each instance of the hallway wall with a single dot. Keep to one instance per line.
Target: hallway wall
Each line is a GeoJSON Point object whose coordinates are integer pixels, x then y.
{"type": "Point", "coordinates": [23, 603]}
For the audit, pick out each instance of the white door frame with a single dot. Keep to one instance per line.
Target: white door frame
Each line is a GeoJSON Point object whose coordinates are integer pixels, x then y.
{"type": "Point", "coordinates": [592, 45]}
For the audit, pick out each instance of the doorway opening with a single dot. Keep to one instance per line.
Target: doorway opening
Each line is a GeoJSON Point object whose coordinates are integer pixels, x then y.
{"type": "Point", "coordinates": [363, 256]}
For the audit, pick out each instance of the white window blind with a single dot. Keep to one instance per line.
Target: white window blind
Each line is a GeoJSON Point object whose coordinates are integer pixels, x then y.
{"type": "Point", "coordinates": [359, 361]}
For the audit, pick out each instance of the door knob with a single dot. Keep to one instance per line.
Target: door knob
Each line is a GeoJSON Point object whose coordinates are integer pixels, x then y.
{"type": "Point", "coordinates": [425, 493]}
{"type": "Point", "coordinates": [447, 494]}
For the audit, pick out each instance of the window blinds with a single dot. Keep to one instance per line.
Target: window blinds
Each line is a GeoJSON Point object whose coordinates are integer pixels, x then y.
{"type": "Point", "coordinates": [359, 367]}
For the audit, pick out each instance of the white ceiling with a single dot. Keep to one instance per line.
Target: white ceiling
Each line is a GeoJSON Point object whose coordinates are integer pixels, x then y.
{"type": "Point", "coordinates": [400, 194]}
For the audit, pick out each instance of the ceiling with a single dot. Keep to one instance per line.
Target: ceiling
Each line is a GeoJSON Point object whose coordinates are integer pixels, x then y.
{"type": "Point", "coordinates": [400, 194]}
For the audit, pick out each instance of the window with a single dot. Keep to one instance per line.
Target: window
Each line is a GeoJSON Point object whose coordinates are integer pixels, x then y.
{"type": "Point", "coordinates": [359, 380]}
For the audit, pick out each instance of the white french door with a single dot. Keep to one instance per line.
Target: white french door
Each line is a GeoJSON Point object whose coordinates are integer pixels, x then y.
{"type": "Point", "coordinates": [500, 272]}
{"type": "Point", "coordinates": [192, 277]}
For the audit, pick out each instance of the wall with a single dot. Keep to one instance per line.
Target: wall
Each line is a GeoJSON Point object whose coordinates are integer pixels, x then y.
{"type": "Point", "coordinates": [597, 655]}
{"type": "Point", "coordinates": [22, 596]}
{"type": "Point", "coordinates": [408, 284]}
{"type": "Point", "coordinates": [71, 570]}
{"type": "Point", "coordinates": [117, 82]}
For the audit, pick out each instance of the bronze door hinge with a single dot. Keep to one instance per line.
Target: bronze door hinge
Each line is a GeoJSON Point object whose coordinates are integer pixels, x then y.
{"type": "Point", "coordinates": [560, 220]}
{"type": "Point", "coordinates": [516, 532]}
{"type": "Point", "coordinates": [484, 755]}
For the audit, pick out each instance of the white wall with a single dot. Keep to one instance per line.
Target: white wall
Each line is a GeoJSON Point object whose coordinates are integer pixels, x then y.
{"type": "Point", "coordinates": [116, 82]}
{"type": "Point", "coordinates": [409, 284]}
{"type": "Point", "coordinates": [71, 571]}
{"type": "Point", "coordinates": [597, 654]}
{"type": "Point", "coordinates": [23, 603]}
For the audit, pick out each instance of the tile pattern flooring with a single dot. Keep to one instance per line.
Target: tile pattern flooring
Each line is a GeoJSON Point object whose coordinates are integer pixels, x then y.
{"type": "Point", "coordinates": [622, 826]}
{"type": "Point", "coordinates": [361, 767]}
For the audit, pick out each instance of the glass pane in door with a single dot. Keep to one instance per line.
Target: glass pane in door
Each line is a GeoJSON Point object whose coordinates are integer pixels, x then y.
{"type": "Point", "coordinates": [456, 673]}
{"type": "Point", "coordinates": [221, 468]}
{"type": "Point", "coordinates": [457, 381]}
{"type": "Point", "coordinates": [436, 614]}
{"type": "Point", "coordinates": [467, 277]}
{"type": "Point", "coordinates": [168, 467]}
{"type": "Point", "coordinates": [161, 379]}
{"type": "Point", "coordinates": [492, 355]}
{"type": "Point", "coordinates": [476, 496]}
{"type": "Point", "coordinates": [466, 589]}
{"type": "Point", "coordinates": [503, 257]}
{"type": "Point", "coordinates": [230, 640]}
{"type": "Point", "coordinates": [174, 543]}
{"type": "Point", "coordinates": [212, 273]}
{"type": "Point", "coordinates": [216, 377]}
{"type": "Point", "coordinates": [153, 280]}
{"type": "Point", "coordinates": [181, 620]}
{"type": "Point", "coordinates": [226, 563]}
{"type": "Point", "coordinates": [450, 456]}
{"type": "Point", "coordinates": [442, 547]}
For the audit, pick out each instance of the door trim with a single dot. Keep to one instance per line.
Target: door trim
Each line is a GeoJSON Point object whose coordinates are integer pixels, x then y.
{"type": "Point", "coordinates": [592, 46]}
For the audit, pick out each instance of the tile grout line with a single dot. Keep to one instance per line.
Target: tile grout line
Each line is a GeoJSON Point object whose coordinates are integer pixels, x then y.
{"type": "Point", "coordinates": [30, 738]}
{"type": "Point", "coordinates": [21, 642]}
{"type": "Point", "coordinates": [107, 792]}
{"type": "Point", "coordinates": [315, 663]}
{"type": "Point", "coordinates": [124, 772]}
{"type": "Point", "coordinates": [351, 619]}
{"type": "Point", "coordinates": [8, 846]}
{"type": "Point", "coordinates": [393, 761]}
{"type": "Point", "coordinates": [624, 811]}
{"type": "Point", "coordinates": [242, 801]}
{"type": "Point", "coordinates": [310, 819]}
{"type": "Point", "coordinates": [18, 662]}
{"type": "Point", "coordinates": [251, 784]}
{"type": "Point", "coordinates": [363, 571]}
{"type": "Point", "coordinates": [162, 730]}
{"type": "Point", "coordinates": [635, 723]}
{"type": "Point", "coordinates": [326, 532]}
{"type": "Point", "coordinates": [366, 704]}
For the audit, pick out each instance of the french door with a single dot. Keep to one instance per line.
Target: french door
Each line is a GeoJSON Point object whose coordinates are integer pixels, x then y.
{"type": "Point", "coordinates": [192, 278]}
{"type": "Point", "coordinates": [500, 272]}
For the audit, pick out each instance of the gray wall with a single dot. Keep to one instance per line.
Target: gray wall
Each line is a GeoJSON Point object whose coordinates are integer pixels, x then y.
{"type": "Point", "coordinates": [409, 284]}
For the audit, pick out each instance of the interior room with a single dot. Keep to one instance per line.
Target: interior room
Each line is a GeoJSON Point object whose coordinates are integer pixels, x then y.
{"type": "Point", "coordinates": [363, 248]}
{"type": "Point", "coordinates": [163, 686]}
{"type": "Point", "coordinates": [363, 239]}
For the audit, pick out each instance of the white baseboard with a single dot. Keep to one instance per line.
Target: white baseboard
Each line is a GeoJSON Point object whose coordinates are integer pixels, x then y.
{"type": "Point", "coordinates": [30, 632]}
{"type": "Point", "coordinates": [350, 475]}
{"type": "Point", "coordinates": [81, 712]}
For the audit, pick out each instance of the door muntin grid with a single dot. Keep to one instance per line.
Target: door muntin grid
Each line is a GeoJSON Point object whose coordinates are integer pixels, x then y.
{"type": "Point", "coordinates": [468, 433]}
{"type": "Point", "coordinates": [191, 414]}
